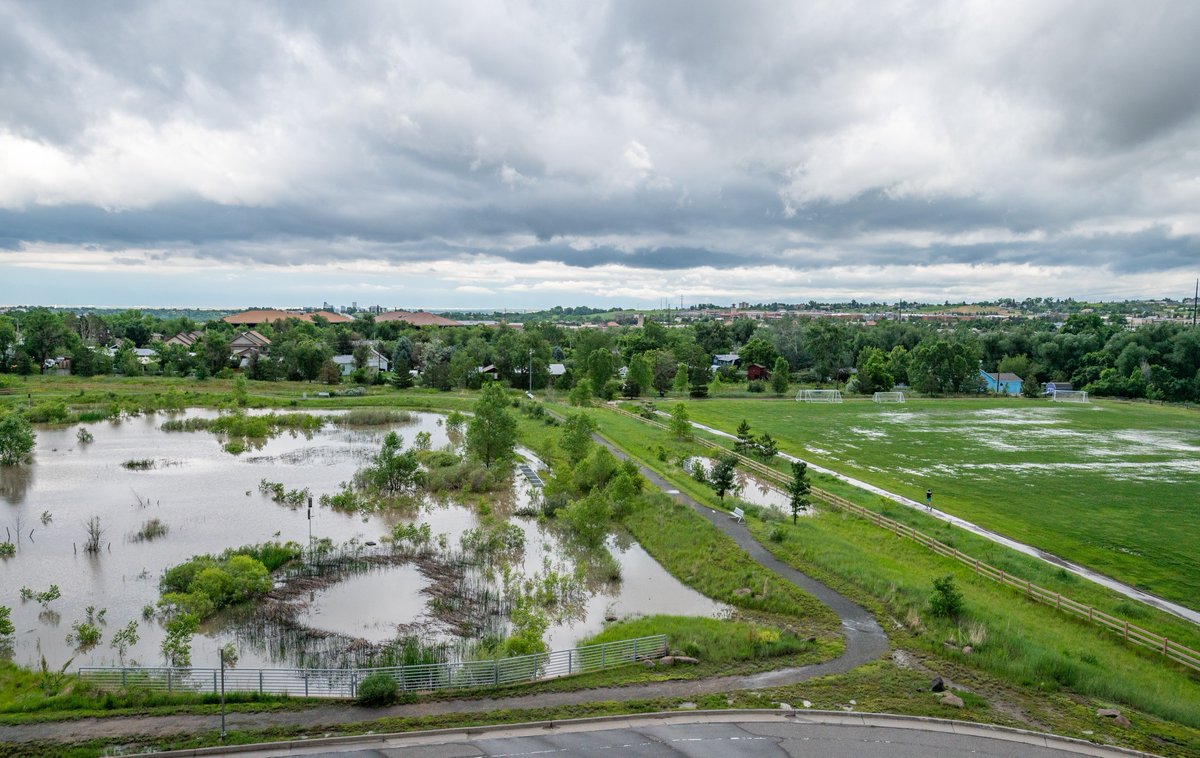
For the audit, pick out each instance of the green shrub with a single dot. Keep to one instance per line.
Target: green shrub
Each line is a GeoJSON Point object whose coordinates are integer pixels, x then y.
{"type": "Point", "coordinates": [377, 690]}
{"type": "Point", "coordinates": [946, 600]}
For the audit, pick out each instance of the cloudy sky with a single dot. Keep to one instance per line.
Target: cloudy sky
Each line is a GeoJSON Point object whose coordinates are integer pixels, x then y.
{"type": "Point", "coordinates": [527, 154]}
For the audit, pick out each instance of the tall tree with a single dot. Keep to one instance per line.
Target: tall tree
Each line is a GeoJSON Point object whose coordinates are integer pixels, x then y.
{"type": "Point", "coordinates": [576, 437]}
{"type": "Point", "coordinates": [44, 334]}
{"type": "Point", "coordinates": [779, 376]}
{"type": "Point", "coordinates": [492, 432]}
{"type": "Point", "coordinates": [827, 342]}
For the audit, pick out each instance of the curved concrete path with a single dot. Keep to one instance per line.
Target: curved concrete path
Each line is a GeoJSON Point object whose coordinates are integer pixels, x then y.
{"type": "Point", "coordinates": [1175, 609]}
{"type": "Point", "coordinates": [865, 641]}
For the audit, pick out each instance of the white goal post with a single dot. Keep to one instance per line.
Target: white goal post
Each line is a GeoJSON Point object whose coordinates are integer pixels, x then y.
{"type": "Point", "coordinates": [1070, 396]}
{"type": "Point", "coordinates": [888, 397]}
{"type": "Point", "coordinates": [819, 396]}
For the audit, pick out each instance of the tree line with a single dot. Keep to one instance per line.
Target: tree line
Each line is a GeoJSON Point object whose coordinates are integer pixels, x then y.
{"type": "Point", "coordinates": [1101, 356]}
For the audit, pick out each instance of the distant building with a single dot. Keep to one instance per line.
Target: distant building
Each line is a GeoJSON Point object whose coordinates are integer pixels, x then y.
{"type": "Point", "coordinates": [418, 318]}
{"type": "Point", "coordinates": [755, 372]}
{"type": "Point", "coordinates": [725, 359]}
{"type": "Point", "coordinates": [1049, 388]}
{"type": "Point", "coordinates": [248, 345]}
{"type": "Point", "coordinates": [375, 362]}
{"type": "Point", "coordinates": [187, 339]}
{"type": "Point", "coordinates": [258, 317]}
{"type": "Point", "coordinates": [1002, 382]}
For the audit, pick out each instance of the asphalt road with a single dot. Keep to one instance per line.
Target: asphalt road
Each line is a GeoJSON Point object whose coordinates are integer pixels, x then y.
{"type": "Point", "coordinates": [727, 736]}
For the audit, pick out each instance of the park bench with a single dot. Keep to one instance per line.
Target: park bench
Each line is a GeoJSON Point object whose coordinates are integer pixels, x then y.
{"type": "Point", "coordinates": [738, 514]}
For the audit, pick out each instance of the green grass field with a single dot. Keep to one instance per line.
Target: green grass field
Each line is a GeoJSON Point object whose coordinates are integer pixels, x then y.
{"type": "Point", "coordinates": [1114, 486]}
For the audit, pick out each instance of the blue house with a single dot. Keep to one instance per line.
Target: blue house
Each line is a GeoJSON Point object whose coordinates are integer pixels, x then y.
{"type": "Point", "coordinates": [1002, 382]}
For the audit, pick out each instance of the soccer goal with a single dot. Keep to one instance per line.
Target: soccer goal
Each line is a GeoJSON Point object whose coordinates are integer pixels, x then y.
{"type": "Point", "coordinates": [888, 397]}
{"type": "Point", "coordinates": [819, 396]}
{"type": "Point", "coordinates": [1070, 396]}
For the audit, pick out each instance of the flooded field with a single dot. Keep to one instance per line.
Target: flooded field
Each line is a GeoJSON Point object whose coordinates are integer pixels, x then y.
{"type": "Point", "coordinates": [209, 500]}
{"type": "Point", "coordinates": [747, 487]}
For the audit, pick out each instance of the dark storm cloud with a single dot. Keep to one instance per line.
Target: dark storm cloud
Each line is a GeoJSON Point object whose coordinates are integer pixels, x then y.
{"type": "Point", "coordinates": [655, 136]}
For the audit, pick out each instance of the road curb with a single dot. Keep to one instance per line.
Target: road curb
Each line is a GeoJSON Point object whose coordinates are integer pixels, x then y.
{"type": "Point", "coordinates": [827, 718]}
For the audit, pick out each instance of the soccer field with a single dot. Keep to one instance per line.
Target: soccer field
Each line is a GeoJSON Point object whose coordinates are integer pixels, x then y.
{"type": "Point", "coordinates": [1115, 486]}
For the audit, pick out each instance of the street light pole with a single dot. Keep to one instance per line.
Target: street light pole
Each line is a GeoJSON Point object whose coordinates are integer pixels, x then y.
{"type": "Point", "coordinates": [531, 371]}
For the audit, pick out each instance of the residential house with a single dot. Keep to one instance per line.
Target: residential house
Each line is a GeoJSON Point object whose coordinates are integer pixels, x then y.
{"type": "Point", "coordinates": [247, 345]}
{"type": "Point", "coordinates": [1002, 382]}
{"type": "Point", "coordinates": [375, 362]}
{"type": "Point", "coordinates": [755, 372]}
{"type": "Point", "coordinates": [722, 360]}
{"type": "Point", "coordinates": [187, 339]}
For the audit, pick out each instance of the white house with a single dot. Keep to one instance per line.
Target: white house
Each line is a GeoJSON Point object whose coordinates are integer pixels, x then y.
{"type": "Point", "coordinates": [375, 362]}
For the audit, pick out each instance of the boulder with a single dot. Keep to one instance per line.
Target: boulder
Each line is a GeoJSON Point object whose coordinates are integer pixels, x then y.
{"type": "Point", "coordinates": [687, 706]}
{"type": "Point", "coordinates": [967, 650]}
{"type": "Point", "coordinates": [743, 592]}
{"type": "Point", "coordinates": [1111, 713]}
{"type": "Point", "coordinates": [806, 703]}
{"type": "Point", "coordinates": [610, 617]}
{"type": "Point", "coordinates": [649, 663]}
{"type": "Point", "coordinates": [666, 660]}
{"type": "Point", "coordinates": [785, 707]}
{"type": "Point", "coordinates": [950, 699]}
{"type": "Point", "coordinates": [1122, 722]}
{"type": "Point", "coordinates": [686, 659]}
{"type": "Point", "coordinates": [938, 684]}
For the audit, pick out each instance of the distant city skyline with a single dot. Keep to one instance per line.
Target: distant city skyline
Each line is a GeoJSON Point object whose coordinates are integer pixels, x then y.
{"type": "Point", "coordinates": [527, 155]}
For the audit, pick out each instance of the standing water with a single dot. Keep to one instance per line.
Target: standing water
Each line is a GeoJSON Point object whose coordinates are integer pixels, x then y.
{"type": "Point", "coordinates": [209, 501]}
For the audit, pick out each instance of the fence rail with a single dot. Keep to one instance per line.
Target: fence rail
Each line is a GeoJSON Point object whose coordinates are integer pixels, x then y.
{"type": "Point", "coordinates": [1130, 632]}
{"type": "Point", "coordinates": [421, 677]}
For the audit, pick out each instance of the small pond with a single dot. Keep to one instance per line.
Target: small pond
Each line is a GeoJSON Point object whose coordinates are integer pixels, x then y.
{"type": "Point", "coordinates": [210, 501]}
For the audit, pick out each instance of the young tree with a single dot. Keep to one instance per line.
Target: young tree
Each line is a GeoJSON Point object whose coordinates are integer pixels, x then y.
{"type": "Point", "coordinates": [680, 383]}
{"type": "Point", "coordinates": [6, 626]}
{"type": "Point", "coordinates": [330, 373]}
{"type": "Point", "coordinates": [16, 439]}
{"type": "Point", "coordinates": [723, 474]}
{"type": "Point", "coordinates": [766, 447]}
{"type": "Point", "coordinates": [799, 488]}
{"type": "Point", "coordinates": [745, 438]}
{"type": "Point", "coordinates": [492, 432]}
{"type": "Point", "coordinates": [581, 393]}
{"type": "Point", "coordinates": [403, 376]}
{"type": "Point", "coordinates": [394, 471]}
{"type": "Point", "coordinates": [681, 424]}
{"type": "Point", "coordinates": [576, 437]}
{"type": "Point", "coordinates": [779, 376]}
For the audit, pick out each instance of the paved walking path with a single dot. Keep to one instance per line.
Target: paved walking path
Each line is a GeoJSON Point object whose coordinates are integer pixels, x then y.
{"type": "Point", "coordinates": [1175, 609]}
{"type": "Point", "coordinates": [865, 641]}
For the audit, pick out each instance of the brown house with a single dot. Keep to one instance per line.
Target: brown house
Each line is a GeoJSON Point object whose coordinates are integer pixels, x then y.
{"type": "Point", "coordinates": [419, 318]}
{"type": "Point", "coordinates": [755, 372]}
{"type": "Point", "coordinates": [269, 315]}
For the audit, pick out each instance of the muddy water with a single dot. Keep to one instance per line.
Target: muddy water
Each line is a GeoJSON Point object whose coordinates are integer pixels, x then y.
{"type": "Point", "coordinates": [210, 501]}
{"type": "Point", "coordinates": [750, 488]}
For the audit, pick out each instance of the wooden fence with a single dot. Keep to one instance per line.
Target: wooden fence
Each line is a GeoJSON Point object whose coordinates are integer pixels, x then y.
{"type": "Point", "coordinates": [1130, 632]}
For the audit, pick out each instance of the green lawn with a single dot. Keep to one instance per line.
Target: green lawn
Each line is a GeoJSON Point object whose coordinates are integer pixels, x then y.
{"type": "Point", "coordinates": [1013, 638]}
{"type": "Point", "coordinates": [1111, 485]}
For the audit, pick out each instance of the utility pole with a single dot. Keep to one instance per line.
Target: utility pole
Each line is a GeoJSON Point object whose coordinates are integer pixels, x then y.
{"type": "Point", "coordinates": [531, 371]}
{"type": "Point", "coordinates": [310, 550]}
{"type": "Point", "coordinates": [1195, 302]}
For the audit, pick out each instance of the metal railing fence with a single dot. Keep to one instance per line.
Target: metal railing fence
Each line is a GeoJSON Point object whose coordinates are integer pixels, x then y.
{"type": "Point", "coordinates": [420, 677]}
